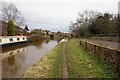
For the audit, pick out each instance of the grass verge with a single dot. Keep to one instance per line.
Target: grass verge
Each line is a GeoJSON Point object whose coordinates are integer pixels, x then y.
{"type": "Point", "coordinates": [47, 67]}
{"type": "Point", "coordinates": [81, 64]}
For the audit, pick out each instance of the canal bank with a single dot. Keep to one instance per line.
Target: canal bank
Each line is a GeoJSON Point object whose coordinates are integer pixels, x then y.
{"type": "Point", "coordinates": [47, 67]}
{"type": "Point", "coordinates": [79, 64]}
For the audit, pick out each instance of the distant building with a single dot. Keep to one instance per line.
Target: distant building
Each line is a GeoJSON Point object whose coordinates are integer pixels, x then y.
{"type": "Point", "coordinates": [52, 33]}
{"type": "Point", "coordinates": [46, 32]}
{"type": "Point", "coordinates": [18, 30]}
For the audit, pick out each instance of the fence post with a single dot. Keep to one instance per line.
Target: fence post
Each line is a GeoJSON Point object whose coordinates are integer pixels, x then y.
{"type": "Point", "coordinates": [80, 42]}
{"type": "Point", "coordinates": [85, 45]}
{"type": "Point", "coordinates": [94, 48]}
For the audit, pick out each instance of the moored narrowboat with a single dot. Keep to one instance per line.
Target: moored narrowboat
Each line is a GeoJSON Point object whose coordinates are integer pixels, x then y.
{"type": "Point", "coordinates": [12, 40]}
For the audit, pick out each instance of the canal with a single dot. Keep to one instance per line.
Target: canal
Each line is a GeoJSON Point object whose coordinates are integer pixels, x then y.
{"type": "Point", "coordinates": [15, 60]}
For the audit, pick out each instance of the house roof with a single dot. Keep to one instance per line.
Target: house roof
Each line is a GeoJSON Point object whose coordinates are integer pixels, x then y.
{"type": "Point", "coordinates": [18, 30]}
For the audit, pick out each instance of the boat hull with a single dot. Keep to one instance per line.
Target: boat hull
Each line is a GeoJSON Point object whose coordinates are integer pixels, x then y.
{"type": "Point", "coordinates": [13, 44]}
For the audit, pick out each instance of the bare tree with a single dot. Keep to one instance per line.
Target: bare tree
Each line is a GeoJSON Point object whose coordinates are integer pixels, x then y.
{"type": "Point", "coordinates": [84, 19]}
{"type": "Point", "coordinates": [10, 12]}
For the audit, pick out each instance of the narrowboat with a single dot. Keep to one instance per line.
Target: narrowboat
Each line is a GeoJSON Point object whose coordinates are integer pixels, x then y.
{"type": "Point", "coordinates": [12, 40]}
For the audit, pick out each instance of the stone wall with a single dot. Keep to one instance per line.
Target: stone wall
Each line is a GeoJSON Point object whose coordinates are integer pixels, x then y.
{"type": "Point", "coordinates": [108, 54]}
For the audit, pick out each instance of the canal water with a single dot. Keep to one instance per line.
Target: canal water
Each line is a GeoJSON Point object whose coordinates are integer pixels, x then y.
{"type": "Point", "coordinates": [15, 60]}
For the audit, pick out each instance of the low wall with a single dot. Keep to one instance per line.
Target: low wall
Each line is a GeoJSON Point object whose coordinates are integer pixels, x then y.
{"type": "Point", "coordinates": [108, 54]}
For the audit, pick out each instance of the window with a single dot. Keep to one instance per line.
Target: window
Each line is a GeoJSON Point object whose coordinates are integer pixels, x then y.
{"type": "Point", "coordinates": [10, 39]}
{"type": "Point", "coordinates": [18, 39]}
{"type": "Point", "coordinates": [23, 38]}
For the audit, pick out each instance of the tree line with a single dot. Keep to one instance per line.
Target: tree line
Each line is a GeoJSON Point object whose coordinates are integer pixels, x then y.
{"type": "Point", "coordinates": [94, 23]}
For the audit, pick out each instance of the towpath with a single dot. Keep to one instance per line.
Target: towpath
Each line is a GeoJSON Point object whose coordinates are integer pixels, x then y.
{"type": "Point", "coordinates": [65, 70]}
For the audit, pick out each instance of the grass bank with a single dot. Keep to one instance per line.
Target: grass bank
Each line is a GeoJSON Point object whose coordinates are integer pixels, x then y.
{"type": "Point", "coordinates": [47, 67]}
{"type": "Point", "coordinates": [81, 64]}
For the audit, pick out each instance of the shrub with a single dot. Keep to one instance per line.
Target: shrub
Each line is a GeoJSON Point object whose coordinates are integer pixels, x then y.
{"type": "Point", "coordinates": [10, 28]}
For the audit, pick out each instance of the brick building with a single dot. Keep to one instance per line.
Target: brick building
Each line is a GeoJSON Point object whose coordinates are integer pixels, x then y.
{"type": "Point", "coordinates": [18, 30]}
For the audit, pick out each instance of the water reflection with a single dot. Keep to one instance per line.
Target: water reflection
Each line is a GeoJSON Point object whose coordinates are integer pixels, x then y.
{"type": "Point", "coordinates": [47, 40]}
{"type": "Point", "coordinates": [11, 62]}
{"type": "Point", "coordinates": [37, 44]}
{"type": "Point", "coordinates": [18, 59]}
{"type": "Point", "coordinates": [11, 59]}
{"type": "Point", "coordinates": [11, 48]}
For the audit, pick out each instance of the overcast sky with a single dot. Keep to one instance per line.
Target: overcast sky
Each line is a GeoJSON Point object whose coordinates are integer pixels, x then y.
{"type": "Point", "coordinates": [55, 15]}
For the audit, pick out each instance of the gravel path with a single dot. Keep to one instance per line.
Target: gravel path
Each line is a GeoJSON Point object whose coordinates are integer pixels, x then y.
{"type": "Point", "coordinates": [64, 64]}
{"type": "Point", "coordinates": [115, 45]}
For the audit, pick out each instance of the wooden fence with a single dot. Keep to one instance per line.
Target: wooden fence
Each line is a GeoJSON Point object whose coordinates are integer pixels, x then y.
{"type": "Point", "coordinates": [108, 54]}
